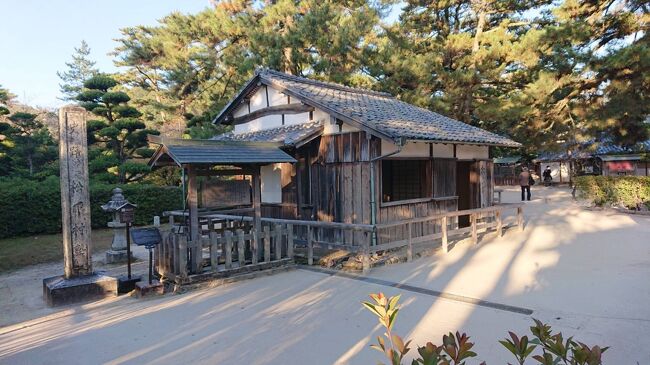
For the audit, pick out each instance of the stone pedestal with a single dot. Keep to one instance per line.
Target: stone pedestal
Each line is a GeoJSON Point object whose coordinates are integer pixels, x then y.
{"type": "Point", "coordinates": [58, 290]}
{"type": "Point", "coordinates": [143, 288]}
{"type": "Point", "coordinates": [126, 285]}
{"type": "Point", "coordinates": [116, 257]}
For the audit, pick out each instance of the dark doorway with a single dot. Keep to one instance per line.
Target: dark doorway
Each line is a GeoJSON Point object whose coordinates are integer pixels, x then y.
{"type": "Point", "coordinates": [463, 169]}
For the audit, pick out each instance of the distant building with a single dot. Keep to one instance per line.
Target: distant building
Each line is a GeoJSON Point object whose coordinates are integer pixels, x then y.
{"type": "Point", "coordinates": [598, 158]}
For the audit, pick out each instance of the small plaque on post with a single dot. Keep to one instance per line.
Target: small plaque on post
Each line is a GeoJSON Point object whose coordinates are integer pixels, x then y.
{"type": "Point", "coordinates": [127, 213]}
{"type": "Point", "coordinates": [147, 237]}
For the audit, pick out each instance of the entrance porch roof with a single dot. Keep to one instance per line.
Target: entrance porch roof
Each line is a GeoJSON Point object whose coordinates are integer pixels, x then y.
{"type": "Point", "coordinates": [209, 152]}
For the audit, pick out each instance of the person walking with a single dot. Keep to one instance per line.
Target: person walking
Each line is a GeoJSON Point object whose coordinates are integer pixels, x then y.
{"type": "Point", "coordinates": [548, 178]}
{"type": "Point", "coordinates": [525, 181]}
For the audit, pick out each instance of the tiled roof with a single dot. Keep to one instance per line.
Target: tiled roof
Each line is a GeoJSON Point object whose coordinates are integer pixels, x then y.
{"type": "Point", "coordinates": [288, 135]}
{"type": "Point", "coordinates": [595, 149]}
{"type": "Point", "coordinates": [220, 152]}
{"type": "Point", "coordinates": [378, 112]}
{"type": "Point", "coordinates": [507, 160]}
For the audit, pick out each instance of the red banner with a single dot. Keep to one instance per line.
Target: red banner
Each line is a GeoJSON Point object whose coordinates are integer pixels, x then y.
{"type": "Point", "coordinates": [620, 166]}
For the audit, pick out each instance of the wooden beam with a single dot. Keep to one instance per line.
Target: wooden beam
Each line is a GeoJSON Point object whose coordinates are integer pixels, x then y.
{"type": "Point", "coordinates": [273, 110]}
{"type": "Point", "coordinates": [229, 172]}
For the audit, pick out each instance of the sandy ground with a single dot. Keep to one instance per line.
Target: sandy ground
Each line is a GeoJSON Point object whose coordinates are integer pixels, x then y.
{"type": "Point", "coordinates": [583, 271]}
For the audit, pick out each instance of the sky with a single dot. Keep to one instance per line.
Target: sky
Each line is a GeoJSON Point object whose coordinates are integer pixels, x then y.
{"type": "Point", "coordinates": [38, 37]}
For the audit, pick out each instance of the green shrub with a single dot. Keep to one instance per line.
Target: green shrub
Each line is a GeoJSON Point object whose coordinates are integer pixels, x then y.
{"type": "Point", "coordinates": [457, 348]}
{"type": "Point", "coordinates": [34, 207]}
{"type": "Point", "coordinates": [628, 191]}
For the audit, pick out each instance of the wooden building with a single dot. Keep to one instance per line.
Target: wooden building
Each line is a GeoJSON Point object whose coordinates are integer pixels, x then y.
{"type": "Point", "coordinates": [507, 170]}
{"type": "Point", "coordinates": [597, 158]}
{"type": "Point", "coordinates": [328, 166]}
{"type": "Point", "coordinates": [362, 156]}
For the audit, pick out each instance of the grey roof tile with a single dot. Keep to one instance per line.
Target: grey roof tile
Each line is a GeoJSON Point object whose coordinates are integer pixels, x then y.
{"type": "Point", "coordinates": [382, 112]}
{"type": "Point", "coordinates": [288, 135]}
{"type": "Point", "coordinates": [226, 152]}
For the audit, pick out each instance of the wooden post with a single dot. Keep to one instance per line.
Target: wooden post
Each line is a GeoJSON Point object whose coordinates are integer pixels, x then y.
{"type": "Point", "coordinates": [409, 249]}
{"type": "Point", "coordinates": [473, 219]}
{"type": "Point", "coordinates": [445, 243]}
{"type": "Point", "coordinates": [198, 256]}
{"type": "Point", "coordinates": [182, 256]}
{"type": "Point", "coordinates": [228, 235]}
{"type": "Point", "coordinates": [175, 254]}
{"type": "Point", "coordinates": [214, 257]}
{"type": "Point", "coordinates": [193, 203]}
{"type": "Point", "coordinates": [310, 247]}
{"type": "Point", "coordinates": [290, 241]}
{"type": "Point", "coordinates": [257, 199]}
{"type": "Point", "coordinates": [267, 244]}
{"type": "Point", "coordinates": [241, 248]}
{"type": "Point", "coordinates": [192, 197]}
{"type": "Point", "coordinates": [520, 218]}
{"type": "Point", "coordinates": [278, 241]}
{"type": "Point", "coordinates": [365, 255]}
{"type": "Point", "coordinates": [499, 223]}
{"type": "Point", "coordinates": [254, 246]}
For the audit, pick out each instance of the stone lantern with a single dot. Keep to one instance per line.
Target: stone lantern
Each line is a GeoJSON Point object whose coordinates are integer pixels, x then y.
{"type": "Point", "coordinates": [118, 251]}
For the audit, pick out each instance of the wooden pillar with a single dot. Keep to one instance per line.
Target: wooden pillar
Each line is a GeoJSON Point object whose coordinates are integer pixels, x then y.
{"type": "Point", "coordinates": [409, 249]}
{"type": "Point", "coordinates": [193, 202]}
{"type": "Point", "coordinates": [257, 199]}
{"type": "Point", "coordinates": [474, 219]}
{"type": "Point", "coordinates": [310, 247]}
{"type": "Point", "coordinates": [499, 223]}
{"type": "Point", "coordinates": [445, 243]}
{"type": "Point", "coordinates": [365, 255]}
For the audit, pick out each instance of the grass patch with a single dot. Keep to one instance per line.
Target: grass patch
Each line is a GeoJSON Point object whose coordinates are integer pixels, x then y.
{"type": "Point", "coordinates": [18, 252]}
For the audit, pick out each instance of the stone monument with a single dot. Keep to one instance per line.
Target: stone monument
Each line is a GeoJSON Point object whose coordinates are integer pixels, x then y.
{"type": "Point", "coordinates": [117, 252]}
{"type": "Point", "coordinates": [79, 282]}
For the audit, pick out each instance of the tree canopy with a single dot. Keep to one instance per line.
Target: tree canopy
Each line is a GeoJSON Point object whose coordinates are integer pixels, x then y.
{"type": "Point", "coordinates": [120, 133]}
{"type": "Point", "coordinates": [536, 70]}
{"type": "Point", "coordinates": [80, 69]}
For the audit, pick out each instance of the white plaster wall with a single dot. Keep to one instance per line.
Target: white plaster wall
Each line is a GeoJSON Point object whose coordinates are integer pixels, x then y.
{"type": "Point", "coordinates": [271, 180]}
{"type": "Point", "coordinates": [418, 149]}
{"type": "Point", "coordinates": [258, 101]}
{"type": "Point", "coordinates": [443, 150]}
{"type": "Point", "coordinates": [467, 151]}
{"type": "Point", "coordinates": [333, 128]}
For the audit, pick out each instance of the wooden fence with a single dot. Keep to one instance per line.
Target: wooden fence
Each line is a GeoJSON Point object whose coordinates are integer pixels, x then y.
{"type": "Point", "coordinates": [224, 251]}
{"type": "Point", "coordinates": [230, 245]}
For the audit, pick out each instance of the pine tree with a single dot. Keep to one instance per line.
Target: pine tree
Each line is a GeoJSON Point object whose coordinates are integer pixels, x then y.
{"type": "Point", "coordinates": [5, 98]}
{"type": "Point", "coordinates": [80, 69]}
{"type": "Point", "coordinates": [121, 133]}
{"type": "Point", "coordinates": [26, 145]}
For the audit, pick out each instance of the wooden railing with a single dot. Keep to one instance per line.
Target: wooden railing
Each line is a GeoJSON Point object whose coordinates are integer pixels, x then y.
{"type": "Point", "coordinates": [229, 244]}
{"type": "Point", "coordinates": [223, 251]}
{"type": "Point", "coordinates": [492, 218]}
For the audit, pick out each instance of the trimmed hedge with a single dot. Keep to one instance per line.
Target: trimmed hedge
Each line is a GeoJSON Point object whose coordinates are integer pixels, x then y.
{"type": "Point", "coordinates": [628, 191]}
{"type": "Point", "coordinates": [34, 207]}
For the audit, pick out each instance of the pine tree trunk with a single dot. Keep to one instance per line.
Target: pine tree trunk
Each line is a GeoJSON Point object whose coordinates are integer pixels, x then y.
{"type": "Point", "coordinates": [468, 108]}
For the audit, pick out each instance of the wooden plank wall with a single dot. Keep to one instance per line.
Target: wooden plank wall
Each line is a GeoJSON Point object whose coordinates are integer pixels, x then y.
{"type": "Point", "coordinates": [340, 174]}
{"type": "Point", "coordinates": [444, 177]}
